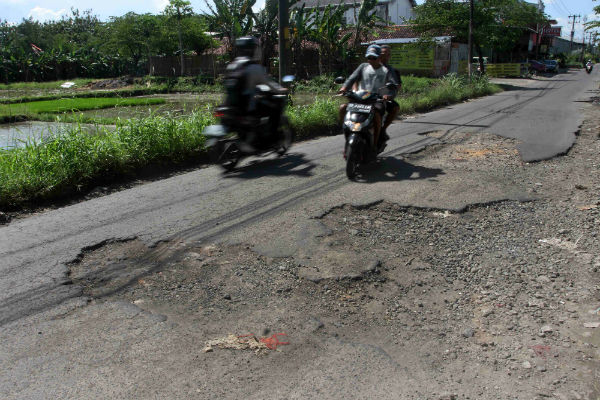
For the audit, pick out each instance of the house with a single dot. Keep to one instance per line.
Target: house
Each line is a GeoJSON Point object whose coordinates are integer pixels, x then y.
{"type": "Point", "coordinates": [395, 12]}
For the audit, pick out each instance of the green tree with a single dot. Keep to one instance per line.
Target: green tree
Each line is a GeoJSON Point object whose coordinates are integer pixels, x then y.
{"type": "Point", "coordinates": [231, 19]}
{"type": "Point", "coordinates": [178, 10]}
{"type": "Point", "coordinates": [327, 32]}
{"type": "Point", "coordinates": [131, 35]}
{"type": "Point", "coordinates": [266, 27]}
{"type": "Point", "coordinates": [365, 20]}
{"type": "Point", "coordinates": [301, 24]}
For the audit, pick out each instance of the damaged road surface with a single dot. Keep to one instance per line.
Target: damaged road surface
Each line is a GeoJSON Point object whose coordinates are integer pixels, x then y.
{"type": "Point", "coordinates": [451, 269]}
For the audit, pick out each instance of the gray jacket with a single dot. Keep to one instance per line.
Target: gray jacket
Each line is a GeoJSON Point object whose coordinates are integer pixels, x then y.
{"type": "Point", "coordinates": [366, 79]}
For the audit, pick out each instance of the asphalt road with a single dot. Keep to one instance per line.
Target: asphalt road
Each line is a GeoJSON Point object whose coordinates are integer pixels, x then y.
{"type": "Point", "coordinates": [207, 205]}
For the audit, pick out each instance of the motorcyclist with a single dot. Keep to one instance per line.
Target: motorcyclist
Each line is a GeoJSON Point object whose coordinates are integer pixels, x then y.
{"type": "Point", "coordinates": [372, 76]}
{"type": "Point", "coordinates": [242, 78]}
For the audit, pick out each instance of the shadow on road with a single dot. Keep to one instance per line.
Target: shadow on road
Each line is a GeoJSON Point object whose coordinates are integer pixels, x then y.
{"type": "Point", "coordinates": [446, 124]}
{"type": "Point", "coordinates": [509, 88]}
{"type": "Point", "coordinates": [391, 169]}
{"type": "Point", "coordinates": [290, 164]}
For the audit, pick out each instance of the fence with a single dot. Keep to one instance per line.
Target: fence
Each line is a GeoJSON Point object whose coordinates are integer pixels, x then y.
{"type": "Point", "coordinates": [210, 66]}
{"type": "Point", "coordinates": [204, 65]}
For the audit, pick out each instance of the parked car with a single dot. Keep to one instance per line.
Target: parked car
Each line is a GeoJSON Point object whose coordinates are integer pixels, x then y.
{"type": "Point", "coordinates": [551, 65]}
{"type": "Point", "coordinates": [536, 66]}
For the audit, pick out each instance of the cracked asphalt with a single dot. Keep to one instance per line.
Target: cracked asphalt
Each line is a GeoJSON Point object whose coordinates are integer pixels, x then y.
{"type": "Point", "coordinates": [454, 268]}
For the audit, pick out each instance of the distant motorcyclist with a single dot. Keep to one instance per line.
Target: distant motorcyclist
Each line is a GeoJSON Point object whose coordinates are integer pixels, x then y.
{"type": "Point", "coordinates": [242, 78]}
{"type": "Point", "coordinates": [372, 76]}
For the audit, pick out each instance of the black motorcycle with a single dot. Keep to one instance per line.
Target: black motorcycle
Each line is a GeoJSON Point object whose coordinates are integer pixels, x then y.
{"type": "Point", "coordinates": [238, 136]}
{"type": "Point", "coordinates": [358, 127]}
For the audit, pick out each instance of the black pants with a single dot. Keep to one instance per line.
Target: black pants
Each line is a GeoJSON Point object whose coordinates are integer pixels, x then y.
{"type": "Point", "coordinates": [271, 107]}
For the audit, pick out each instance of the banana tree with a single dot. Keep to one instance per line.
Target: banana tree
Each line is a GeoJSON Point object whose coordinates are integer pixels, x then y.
{"type": "Point", "coordinates": [301, 25]}
{"type": "Point", "coordinates": [327, 32]}
{"type": "Point", "coordinates": [364, 20]}
{"type": "Point", "coordinates": [231, 19]}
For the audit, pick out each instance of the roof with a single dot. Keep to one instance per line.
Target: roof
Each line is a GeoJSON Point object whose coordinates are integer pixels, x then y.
{"type": "Point", "coordinates": [438, 39]}
{"type": "Point", "coordinates": [392, 32]}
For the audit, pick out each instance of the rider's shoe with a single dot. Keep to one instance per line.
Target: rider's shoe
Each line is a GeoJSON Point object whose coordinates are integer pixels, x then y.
{"type": "Point", "coordinates": [247, 147]}
{"type": "Point", "coordinates": [384, 136]}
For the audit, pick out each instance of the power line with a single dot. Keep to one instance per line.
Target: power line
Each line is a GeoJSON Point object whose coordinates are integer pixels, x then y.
{"type": "Point", "coordinates": [559, 9]}
{"type": "Point", "coordinates": [564, 6]}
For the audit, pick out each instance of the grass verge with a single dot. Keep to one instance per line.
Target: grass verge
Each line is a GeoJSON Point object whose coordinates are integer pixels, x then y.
{"type": "Point", "coordinates": [30, 110]}
{"type": "Point", "coordinates": [74, 161]}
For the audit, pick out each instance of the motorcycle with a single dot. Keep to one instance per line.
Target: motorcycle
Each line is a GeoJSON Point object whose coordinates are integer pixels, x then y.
{"type": "Point", "coordinates": [358, 127]}
{"type": "Point", "coordinates": [589, 67]}
{"type": "Point", "coordinates": [239, 136]}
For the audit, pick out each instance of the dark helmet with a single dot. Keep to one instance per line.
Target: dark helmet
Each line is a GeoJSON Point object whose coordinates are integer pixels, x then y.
{"type": "Point", "coordinates": [246, 46]}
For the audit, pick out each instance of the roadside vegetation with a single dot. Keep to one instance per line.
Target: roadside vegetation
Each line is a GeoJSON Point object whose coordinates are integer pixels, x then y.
{"type": "Point", "coordinates": [72, 160]}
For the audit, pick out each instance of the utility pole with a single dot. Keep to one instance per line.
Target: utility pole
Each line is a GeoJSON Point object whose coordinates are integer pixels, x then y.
{"type": "Point", "coordinates": [573, 29]}
{"type": "Point", "coordinates": [471, 13]}
{"type": "Point", "coordinates": [284, 34]}
{"type": "Point", "coordinates": [538, 34]}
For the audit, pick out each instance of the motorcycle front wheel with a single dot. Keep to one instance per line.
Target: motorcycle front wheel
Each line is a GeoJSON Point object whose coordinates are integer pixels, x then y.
{"type": "Point", "coordinates": [351, 162]}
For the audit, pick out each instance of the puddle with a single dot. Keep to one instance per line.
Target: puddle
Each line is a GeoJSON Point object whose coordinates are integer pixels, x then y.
{"type": "Point", "coordinates": [17, 134]}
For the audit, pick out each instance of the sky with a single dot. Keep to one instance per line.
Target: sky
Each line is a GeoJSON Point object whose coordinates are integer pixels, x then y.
{"type": "Point", "coordinates": [44, 10]}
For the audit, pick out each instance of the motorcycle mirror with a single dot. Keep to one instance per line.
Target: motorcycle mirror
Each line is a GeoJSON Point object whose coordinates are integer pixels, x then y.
{"type": "Point", "coordinates": [288, 78]}
{"type": "Point", "coordinates": [339, 80]}
{"type": "Point", "coordinates": [391, 85]}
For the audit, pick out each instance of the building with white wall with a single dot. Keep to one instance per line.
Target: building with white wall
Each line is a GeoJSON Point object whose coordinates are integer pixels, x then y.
{"type": "Point", "coordinates": [395, 12]}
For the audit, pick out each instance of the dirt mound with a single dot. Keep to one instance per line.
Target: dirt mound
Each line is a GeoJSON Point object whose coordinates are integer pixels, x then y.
{"type": "Point", "coordinates": [115, 83]}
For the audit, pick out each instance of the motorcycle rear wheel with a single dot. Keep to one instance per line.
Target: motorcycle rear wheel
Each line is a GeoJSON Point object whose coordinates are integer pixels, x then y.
{"type": "Point", "coordinates": [286, 136]}
{"type": "Point", "coordinates": [229, 156]}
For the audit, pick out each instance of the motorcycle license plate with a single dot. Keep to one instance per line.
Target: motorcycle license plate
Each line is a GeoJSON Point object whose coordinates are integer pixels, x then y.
{"type": "Point", "coordinates": [359, 108]}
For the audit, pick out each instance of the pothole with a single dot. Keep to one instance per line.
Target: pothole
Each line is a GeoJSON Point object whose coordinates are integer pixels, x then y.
{"type": "Point", "coordinates": [115, 264]}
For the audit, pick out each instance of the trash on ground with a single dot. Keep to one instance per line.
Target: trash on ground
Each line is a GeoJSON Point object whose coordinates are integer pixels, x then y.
{"type": "Point", "coordinates": [563, 244]}
{"type": "Point", "coordinates": [541, 350]}
{"type": "Point", "coordinates": [67, 85]}
{"type": "Point", "coordinates": [588, 207]}
{"type": "Point", "coordinates": [246, 342]}
{"type": "Point", "coordinates": [444, 214]}
{"type": "Point", "coordinates": [592, 325]}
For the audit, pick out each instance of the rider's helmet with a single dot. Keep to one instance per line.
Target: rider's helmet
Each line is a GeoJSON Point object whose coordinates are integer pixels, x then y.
{"type": "Point", "coordinates": [246, 46]}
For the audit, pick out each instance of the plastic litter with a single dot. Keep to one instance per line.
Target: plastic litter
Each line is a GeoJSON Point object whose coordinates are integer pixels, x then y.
{"type": "Point", "coordinates": [541, 350]}
{"type": "Point", "coordinates": [246, 342]}
{"type": "Point", "coordinates": [67, 85]}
